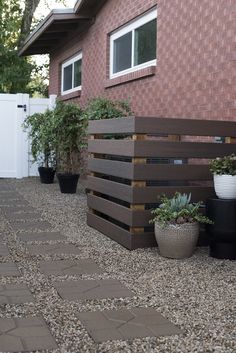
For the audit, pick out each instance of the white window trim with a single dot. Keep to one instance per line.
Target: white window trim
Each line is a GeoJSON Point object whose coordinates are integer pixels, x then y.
{"type": "Point", "coordinates": [65, 64]}
{"type": "Point", "coordinates": [131, 27]}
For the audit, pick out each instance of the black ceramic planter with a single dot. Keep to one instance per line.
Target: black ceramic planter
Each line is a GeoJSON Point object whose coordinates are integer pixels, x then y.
{"type": "Point", "coordinates": [46, 175]}
{"type": "Point", "coordinates": [223, 232]}
{"type": "Point", "coordinates": [68, 183]}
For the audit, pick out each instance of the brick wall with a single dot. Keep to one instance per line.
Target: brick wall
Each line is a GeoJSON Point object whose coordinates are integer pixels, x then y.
{"type": "Point", "coordinates": [195, 74]}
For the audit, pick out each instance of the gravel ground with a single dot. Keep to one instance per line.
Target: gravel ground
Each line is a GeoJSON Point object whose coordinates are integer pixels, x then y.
{"type": "Point", "coordinates": [197, 294]}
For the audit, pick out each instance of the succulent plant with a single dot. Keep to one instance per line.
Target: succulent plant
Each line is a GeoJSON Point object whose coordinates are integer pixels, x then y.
{"type": "Point", "coordinates": [178, 210]}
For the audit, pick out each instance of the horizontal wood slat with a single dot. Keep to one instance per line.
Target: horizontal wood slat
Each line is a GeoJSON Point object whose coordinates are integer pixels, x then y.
{"type": "Point", "coordinates": [160, 149]}
{"type": "Point", "coordinates": [150, 194]}
{"type": "Point", "coordinates": [110, 188]}
{"type": "Point", "coordinates": [113, 168]}
{"type": "Point", "coordinates": [149, 171]}
{"type": "Point", "coordinates": [120, 235]}
{"type": "Point", "coordinates": [152, 125]}
{"type": "Point", "coordinates": [133, 218]}
{"type": "Point", "coordinates": [147, 194]}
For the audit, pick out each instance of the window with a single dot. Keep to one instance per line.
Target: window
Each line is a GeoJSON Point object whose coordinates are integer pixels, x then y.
{"type": "Point", "coordinates": [134, 46]}
{"type": "Point", "coordinates": [71, 75]}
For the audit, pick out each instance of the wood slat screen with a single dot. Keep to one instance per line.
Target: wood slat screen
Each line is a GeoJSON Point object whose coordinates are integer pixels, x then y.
{"type": "Point", "coordinates": [133, 161]}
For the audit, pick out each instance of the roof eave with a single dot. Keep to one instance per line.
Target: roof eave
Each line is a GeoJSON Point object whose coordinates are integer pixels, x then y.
{"type": "Point", "coordinates": [54, 16]}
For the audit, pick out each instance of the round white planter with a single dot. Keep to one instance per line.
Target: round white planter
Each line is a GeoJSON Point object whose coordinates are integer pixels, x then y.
{"type": "Point", "coordinates": [225, 186]}
{"type": "Point", "coordinates": [177, 241]}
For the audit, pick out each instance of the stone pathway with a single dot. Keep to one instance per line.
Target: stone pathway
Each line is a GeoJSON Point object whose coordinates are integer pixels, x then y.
{"type": "Point", "coordinates": [32, 333]}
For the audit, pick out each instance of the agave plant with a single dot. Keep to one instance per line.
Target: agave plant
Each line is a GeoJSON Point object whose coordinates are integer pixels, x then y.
{"type": "Point", "coordinates": [178, 210]}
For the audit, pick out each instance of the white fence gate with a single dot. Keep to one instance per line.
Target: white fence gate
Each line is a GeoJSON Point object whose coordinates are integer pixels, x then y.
{"type": "Point", "coordinates": [14, 145]}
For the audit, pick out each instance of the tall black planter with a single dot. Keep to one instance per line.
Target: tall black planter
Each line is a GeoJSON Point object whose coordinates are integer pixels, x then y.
{"type": "Point", "coordinates": [46, 175]}
{"type": "Point", "coordinates": [223, 232]}
{"type": "Point", "coordinates": [68, 183]}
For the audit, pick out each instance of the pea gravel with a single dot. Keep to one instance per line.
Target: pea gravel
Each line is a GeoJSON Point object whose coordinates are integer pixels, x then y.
{"type": "Point", "coordinates": [196, 294]}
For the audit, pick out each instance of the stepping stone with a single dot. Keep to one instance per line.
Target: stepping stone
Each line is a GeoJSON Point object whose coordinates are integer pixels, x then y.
{"type": "Point", "coordinates": [69, 267]}
{"type": "Point", "coordinates": [16, 216]}
{"type": "Point", "coordinates": [24, 335]}
{"type": "Point", "coordinates": [3, 250]}
{"type": "Point", "coordinates": [13, 202]}
{"type": "Point", "coordinates": [54, 249]}
{"type": "Point", "coordinates": [34, 225]}
{"type": "Point", "coordinates": [126, 324]}
{"type": "Point", "coordinates": [15, 294]}
{"type": "Point", "coordinates": [10, 196]}
{"type": "Point", "coordinates": [83, 289]}
{"type": "Point", "coordinates": [42, 236]}
{"type": "Point", "coordinates": [8, 269]}
{"type": "Point", "coordinates": [10, 209]}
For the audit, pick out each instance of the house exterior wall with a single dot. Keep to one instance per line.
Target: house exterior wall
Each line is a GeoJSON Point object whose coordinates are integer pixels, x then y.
{"type": "Point", "coordinates": [195, 74]}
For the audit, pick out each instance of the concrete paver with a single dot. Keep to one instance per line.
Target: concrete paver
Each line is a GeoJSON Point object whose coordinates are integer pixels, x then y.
{"type": "Point", "coordinates": [126, 324]}
{"type": "Point", "coordinates": [69, 267]}
{"type": "Point", "coordinates": [91, 289]}
{"type": "Point", "coordinates": [15, 294]}
{"type": "Point", "coordinates": [24, 335]}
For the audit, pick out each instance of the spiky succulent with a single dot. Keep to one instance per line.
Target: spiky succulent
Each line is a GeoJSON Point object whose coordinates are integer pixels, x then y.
{"type": "Point", "coordinates": [178, 210]}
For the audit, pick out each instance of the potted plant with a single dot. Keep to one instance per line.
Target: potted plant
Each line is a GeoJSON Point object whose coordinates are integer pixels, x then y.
{"type": "Point", "coordinates": [177, 226]}
{"type": "Point", "coordinates": [39, 130]}
{"type": "Point", "coordinates": [69, 133]}
{"type": "Point", "coordinates": [224, 174]}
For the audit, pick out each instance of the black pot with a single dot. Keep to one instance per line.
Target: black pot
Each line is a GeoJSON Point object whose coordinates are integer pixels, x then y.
{"type": "Point", "coordinates": [46, 175]}
{"type": "Point", "coordinates": [223, 232]}
{"type": "Point", "coordinates": [68, 183]}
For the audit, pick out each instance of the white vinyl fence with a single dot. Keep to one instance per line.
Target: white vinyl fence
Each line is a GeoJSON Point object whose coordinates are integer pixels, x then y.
{"type": "Point", "coordinates": [15, 161]}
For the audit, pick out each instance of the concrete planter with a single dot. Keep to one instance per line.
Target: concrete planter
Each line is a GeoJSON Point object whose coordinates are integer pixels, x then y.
{"type": "Point", "coordinates": [177, 241]}
{"type": "Point", "coordinates": [225, 186]}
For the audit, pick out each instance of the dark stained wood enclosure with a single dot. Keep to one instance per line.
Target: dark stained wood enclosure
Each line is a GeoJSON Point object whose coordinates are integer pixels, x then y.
{"type": "Point", "coordinates": [135, 160]}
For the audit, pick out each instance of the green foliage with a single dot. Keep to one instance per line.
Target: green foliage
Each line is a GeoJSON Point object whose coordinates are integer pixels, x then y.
{"type": "Point", "coordinates": [178, 210]}
{"type": "Point", "coordinates": [69, 135]}
{"type": "Point", "coordinates": [225, 165]}
{"type": "Point", "coordinates": [17, 74]}
{"type": "Point", "coordinates": [39, 128]}
{"type": "Point", "coordinates": [103, 108]}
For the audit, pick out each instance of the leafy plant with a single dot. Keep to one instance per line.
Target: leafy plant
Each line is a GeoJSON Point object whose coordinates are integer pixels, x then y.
{"type": "Point", "coordinates": [103, 108]}
{"type": "Point", "coordinates": [39, 128]}
{"type": "Point", "coordinates": [225, 165]}
{"type": "Point", "coordinates": [69, 133]}
{"type": "Point", "coordinates": [178, 210]}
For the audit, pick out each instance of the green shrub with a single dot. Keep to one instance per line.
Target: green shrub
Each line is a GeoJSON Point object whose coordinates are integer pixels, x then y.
{"type": "Point", "coordinates": [178, 210]}
{"type": "Point", "coordinates": [103, 108]}
{"type": "Point", "coordinates": [39, 129]}
{"type": "Point", "coordinates": [224, 165]}
{"type": "Point", "coordinates": [69, 135]}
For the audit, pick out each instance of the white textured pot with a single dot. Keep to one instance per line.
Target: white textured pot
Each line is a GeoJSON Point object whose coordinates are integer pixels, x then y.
{"type": "Point", "coordinates": [177, 241]}
{"type": "Point", "coordinates": [225, 186]}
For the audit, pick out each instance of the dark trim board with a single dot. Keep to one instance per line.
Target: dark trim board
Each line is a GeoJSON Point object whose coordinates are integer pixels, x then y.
{"type": "Point", "coordinates": [121, 236]}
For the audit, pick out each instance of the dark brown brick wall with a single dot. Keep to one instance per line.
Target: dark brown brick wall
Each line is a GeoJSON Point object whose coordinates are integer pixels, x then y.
{"type": "Point", "coordinates": [195, 75]}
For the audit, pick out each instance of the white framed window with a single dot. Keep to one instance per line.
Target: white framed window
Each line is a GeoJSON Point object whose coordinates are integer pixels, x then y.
{"type": "Point", "coordinates": [133, 47]}
{"type": "Point", "coordinates": [71, 75]}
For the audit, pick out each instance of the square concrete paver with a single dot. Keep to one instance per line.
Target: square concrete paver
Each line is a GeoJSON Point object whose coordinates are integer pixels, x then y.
{"type": "Point", "coordinates": [54, 249]}
{"type": "Point", "coordinates": [8, 269]}
{"type": "Point", "coordinates": [42, 236]}
{"type": "Point", "coordinates": [3, 249]}
{"type": "Point", "coordinates": [17, 208]}
{"type": "Point", "coordinates": [69, 267]}
{"type": "Point", "coordinates": [126, 324]}
{"type": "Point", "coordinates": [84, 289]}
{"type": "Point", "coordinates": [25, 335]}
{"type": "Point", "coordinates": [13, 202]}
{"type": "Point", "coordinates": [15, 294]}
{"type": "Point", "coordinates": [30, 225]}
{"type": "Point", "coordinates": [23, 216]}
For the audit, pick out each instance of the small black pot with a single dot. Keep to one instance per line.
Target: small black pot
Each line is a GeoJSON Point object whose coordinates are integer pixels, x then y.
{"type": "Point", "coordinates": [46, 175]}
{"type": "Point", "coordinates": [68, 183]}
